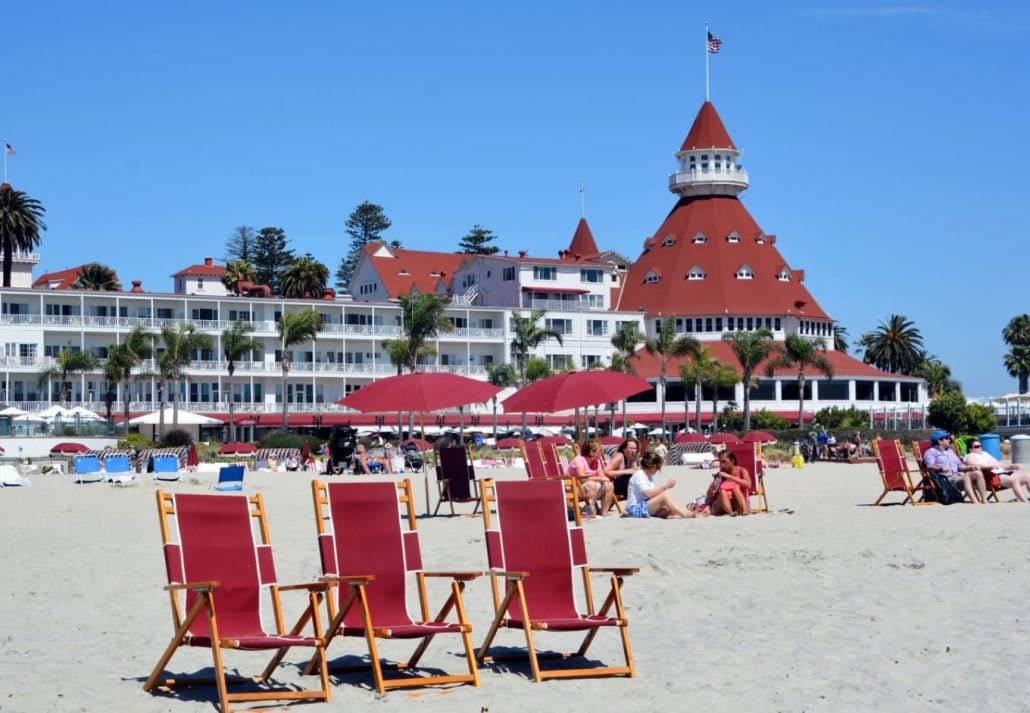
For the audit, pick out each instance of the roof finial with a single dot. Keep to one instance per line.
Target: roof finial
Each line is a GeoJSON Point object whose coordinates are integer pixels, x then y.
{"type": "Point", "coordinates": [582, 200]}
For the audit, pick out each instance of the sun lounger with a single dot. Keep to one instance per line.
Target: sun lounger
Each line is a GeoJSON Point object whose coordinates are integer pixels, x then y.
{"type": "Point", "coordinates": [87, 469]}
{"type": "Point", "coordinates": [166, 468]}
{"type": "Point", "coordinates": [230, 478]}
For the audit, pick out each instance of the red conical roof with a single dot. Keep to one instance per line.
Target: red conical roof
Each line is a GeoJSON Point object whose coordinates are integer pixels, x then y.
{"type": "Point", "coordinates": [708, 131]}
{"type": "Point", "coordinates": [583, 241]}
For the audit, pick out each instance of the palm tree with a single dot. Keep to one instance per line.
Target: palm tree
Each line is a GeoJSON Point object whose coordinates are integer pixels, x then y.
{"type": "Point", "coordinates": [527, 334]}
{"type": "Point", "coordinates": [937, 376]}
{"type": "Point", "coordinates": [304, 277]}
{"type": "Point", "coordinates": [293, 329]}
{"type": "Point", "coordinates": [236, 343]}
{"type": "Point", "coordinates": [721, 376]}
{"type": "Point", "coordinates": [666, 345]}
{"type": "Point", "coordinates": [238, 270]}
{"type": "Point", "coordinates": [801, 353]}
{"type": "Point", "coordinates": [112, 375]}
{"type": "Point", "coordinates": [751, 349]}
{"type": "Point", "coordinates": [422, 318]}
{"type": "Point", "coordinates": [95, 276]}
{"type": "Point", "coordinates": [67, 362]}
{"type": "Point", "coordinates": [840, 339]}
{"type": "Point", "coordinates": [136, 348]}
{"type": "Point", "coordinates": [181, 346]}
{"type": "Point", "coordinates": [397, 351]}
{"type": "Point", "coordinates": [21, 219]}
{"type": "Point", "coordinates": [625, 341]}
{"type": "Point", "coordinates": [893, 346]}
{"type": "Point", "coordinates": [694, 370]}
{"type": "Point", "coordinates": [1017, 335]}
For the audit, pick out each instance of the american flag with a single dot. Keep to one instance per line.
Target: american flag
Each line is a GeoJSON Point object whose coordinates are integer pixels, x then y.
{"type": "Point", "coordinates": [8, 149]}
{"type": "Point", "coordinates": [713, 43]}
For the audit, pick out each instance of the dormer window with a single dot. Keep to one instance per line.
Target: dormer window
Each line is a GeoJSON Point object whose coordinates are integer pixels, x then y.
{"type": "Point", "coordinates": [696, 273]}
{"type": "Point", "coordinates": [652, 277]}
{"type": "Point", "coordinates": [744, 273]}
{"type": "Point", "coordinates": [699, 239]}
{"type": "Point", "coordinates": [784, 275]}
{"type": "Point", "coordinates": [403, 272]}
{"type": "Point", "coordinates": [668, 241]}
{"type": "Point", "coordinates": [733, 237]}
{"type": "Point", "coordinates": [648, 244]}
{"type": "Point", "coordinates": [760, 239]}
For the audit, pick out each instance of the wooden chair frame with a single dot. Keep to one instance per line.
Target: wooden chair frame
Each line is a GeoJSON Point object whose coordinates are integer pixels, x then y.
{"type": "Point", "coordinates": [205, 605]}
{"type": "Point", "coordinates": [991, 480]}
{"type": "Point", "coordinates": [357, 595]}
{"type": "Point", "coordinates": [443, 484]}
{"type": "Point", "coordinates": [749, 457]}
{"type": "Point", "coordinates": [514, 589]}
{"type": "Point", "coordinates": [895, 474]}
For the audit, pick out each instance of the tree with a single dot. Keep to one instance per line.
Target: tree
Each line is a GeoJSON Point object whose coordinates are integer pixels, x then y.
{"type": "Point", "coordinates": [693, 370]}
{"type": "Point", "coordinates": [625, 341]}
{"type": "Point", "coordinates": [751, 349]}
{"type": "Point", "coordinates": [293, 329]}
{"type": "Point", "coordinates": [66, 363]}
{"type": "Point", "coordinates": [112, 375]}
{"type": "Point", "coordinates": [304, 277]}
{"type": "Point", "coordinates": [719, 376]}
{"type": "Point", "coordinates": [893, 346]}
{"type": "Point", "coordinates": [271, 256]}
{"type": "Point", "coordinates": [128, 355]}
{"type": "Point", "coordinates": [502, 375]}
{"type": "Point", "coordinates": [240, 243]}
{"type": "Point", "coordinates": [364, 225]}
{"type": "Point", "coordinates": [840, 339]}
{"type": "Point", "coordinates": [181, 345]}
{"type": "Point", "coordinates": [666, 345]}
{"type": "Point", "coordinates": [1017, 335]}
{"type": "Point", "coordinates": [936, 373]}
{"type": "Point", "coordinates": [236, 343]}
{"type": "Point", "coordinates": [951, 413]}
{"type": "Point", "coordinates": [801, 353]}
{"type": "Point", "coordinates": [95, 276]}
{"type": "Point", "coordinates": [478, 242]}
{"type": "Point", "coordinates": [238, 270]}
{"type": "Point", "coordinates": [21, 220]}
{"type": "Point", "coordinates": [537, 369]}
{"type": "Point", "coordinates": [527, 334]}
{"type": "Point", "coordinates": [422, 318]}
{"type": "Point", "coordinates": [397, 352]}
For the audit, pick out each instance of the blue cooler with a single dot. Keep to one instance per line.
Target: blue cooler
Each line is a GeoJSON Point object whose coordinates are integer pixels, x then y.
{"type": "Point", "coordinates": [991, 443]}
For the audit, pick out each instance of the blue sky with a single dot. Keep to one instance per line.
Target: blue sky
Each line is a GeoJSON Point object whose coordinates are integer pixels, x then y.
{"type": "Point", "coordinates": [886, 142]}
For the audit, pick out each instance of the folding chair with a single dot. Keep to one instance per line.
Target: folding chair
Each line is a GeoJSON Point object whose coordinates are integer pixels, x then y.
{"type": "Point", "coordinates": [87, 469]}
{"type": "Point", "coordinates": [552, 461]}
{"type": "Point", "coordinates": [368, 551]}
{"type": "Point", "coordinates": [919, 448]}
{"type": "Point", "coordinates": [534, 550]}
{"type": "Point", "coordinates": [166, 468]}
{"type": "Point", "coordinates": [749, 457]}
{"type": "Point", "coordinates": [119, 472]}
{"type": "Point", "coordinates": [10, 477]}
{"type": "Point", "coordinates": [894, 472]}
{"type": "Point", "coordinates": [533, 459]}
{"type": "Point", "coordinates": [230, 478]}
{"type": "Point", "coordinates": [216, 562]}
{"type": "Point", "coordinates": [456, 478]}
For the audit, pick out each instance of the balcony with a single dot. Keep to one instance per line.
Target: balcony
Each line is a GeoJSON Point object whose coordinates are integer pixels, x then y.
{"type": "Point", "coordinates": [732, 181]}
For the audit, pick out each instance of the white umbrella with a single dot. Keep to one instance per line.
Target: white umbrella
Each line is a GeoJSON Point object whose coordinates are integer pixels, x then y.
{"type": "Point", "coordinates": [29, 418]}
{"type": "Point", "coordinates": [12, 411]}
{"type": "Point", "coordinates": [84, 414]}
{"type": "Point", "coordinates": [186, 418]}
{"type": "Point", "coordinates": [56, 411]}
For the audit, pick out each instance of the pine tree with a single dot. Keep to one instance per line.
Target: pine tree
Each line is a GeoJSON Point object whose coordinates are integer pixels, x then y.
{"type": "Point", "coordinates": [365, 225]}
{"type": "Point", "coordinates": [240, 243]}
{"type": "Point", "coordinates": [478, 242]}
{"type": "Point", "coordinates": [270, 256]}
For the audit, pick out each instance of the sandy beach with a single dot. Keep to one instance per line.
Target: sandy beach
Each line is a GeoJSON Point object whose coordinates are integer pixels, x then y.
{"type": "Point", "coordinates": [824, 605]}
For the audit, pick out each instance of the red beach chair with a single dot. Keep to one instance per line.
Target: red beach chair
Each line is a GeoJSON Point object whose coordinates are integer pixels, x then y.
{"type": "Point", "coordinates": [214, 557]}
{"type": "Point", "coordinates": [894, 472]}
{"type": "Point", "coordinates": [456, 479]}
{"type": "Point", "coordinates": [533, 458]}
{"type": "Point", "coordinates": [532, 548]}
{"type": "Point", "coordinates": [369, 550]}
{"type": "Point", "coordinates": [749, 458]}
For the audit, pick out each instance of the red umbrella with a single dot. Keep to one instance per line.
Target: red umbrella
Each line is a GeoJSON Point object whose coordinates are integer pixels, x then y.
{"type": "Point", "coordinates": [237, 449]}
{"type": "Point", "coordinates": [758, 437]}
{"type": "Point", "coordinates": [192, 459]}
{"type": "Point", "coordinates": [611, 441]}
{"type": "Point", "coordinates": [421, 443]}
{"type": "Point", "coordinates": [68, 449]}
{"type": "Point", "coordinates": [687, 437]}
{"type": "Point", "coordinates": [575, 390]}
{"type": "Point", "coordinates": [419, 392]}
{"type": "Point", "coordinates": [724, 438]}
{"type": "Point", "coordinates": [507, 443]}
{"type": "Point", "coordinates": [555, 441]}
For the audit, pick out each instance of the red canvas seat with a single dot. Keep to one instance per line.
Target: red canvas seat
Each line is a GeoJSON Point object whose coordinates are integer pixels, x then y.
{"type": "Point", "coordinates": [371, 551]}
{"type": "Point", "coordinates": [749, 458]}
{"type": "Point", "coordinates": [894, 472]}
{"type": "Point", "coordinates": [531, 547]}
{"type": "Point", "coordinates": [456, 478]}
{"type": "Point", "coordinates": [216, 561]}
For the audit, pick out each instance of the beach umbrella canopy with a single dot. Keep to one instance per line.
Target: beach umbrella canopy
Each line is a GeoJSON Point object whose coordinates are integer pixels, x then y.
{"type": "Point", "coordinates": [574, 390]}
{"type": "Point", "coordinates": [12, 411]}
{"type": "Point", "coordinates": [55, 412]}
{"type": "Point", "coordinates": [186, 418]}
{"type": "Point", "coordinates": [724, 438]}
{"type": "Point", "coordinates": [611, 441]}
{"type": "Point", "coordinates": [554, 441]}
{"type": "Point", "coordinates": [83, 414]}
{"type": "Point", "coordinates": [758, 437]}
{"type": "Point", "coordinates": [237, 449]}
{"type": "Point", "coordinates": [686, 437]}
{"type": "Point", "coordinates": [192, 459]}
{"type": "Point", "coordinates": [29, 418]}
{"type": "Point", "coordinates": [68, 449]}
{"type": "Point", "coordinates": [507, 444]}
{"type": "Point", "coordinates": [419, 392]}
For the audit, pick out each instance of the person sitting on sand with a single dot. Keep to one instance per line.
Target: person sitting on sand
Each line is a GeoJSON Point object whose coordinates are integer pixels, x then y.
{"type": "Point", "coordinates": [588, 469]}
{"type": "Point", "coordinates": [623, 465]}
{"type": "Point", "coordinates": [363, 462]}
{"type": "Point", "coordinates": [727, 493]}
{"type": "Point", "coordinates": [940, 458]}
{"type": "Point", "coordinates": [646, 499]}
{"type": "Point", "coordinates": [1007, 473]}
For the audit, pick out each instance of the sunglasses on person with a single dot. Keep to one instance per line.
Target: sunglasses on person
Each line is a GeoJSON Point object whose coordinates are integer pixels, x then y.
{"type": "Point", "coordinates": [975, 445]}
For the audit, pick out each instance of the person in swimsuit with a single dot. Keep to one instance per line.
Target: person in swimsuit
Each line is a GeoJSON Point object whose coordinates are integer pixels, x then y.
{"type": "Point", "coordinates": [646, 499]}
{"type": "Point", "coordinates": [623, 465]}
{"type": "Point", "coordinates": [730, 495]}
{"type": "Point", "coordinates": [588, 469]}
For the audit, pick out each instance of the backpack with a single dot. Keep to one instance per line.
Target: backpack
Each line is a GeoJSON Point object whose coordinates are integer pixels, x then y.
{"type": "Point", "coordinates": [947, 493]}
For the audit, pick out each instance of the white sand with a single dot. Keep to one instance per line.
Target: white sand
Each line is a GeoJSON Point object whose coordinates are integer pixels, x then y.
{"type": "Point", "coordinates": [837, 606]}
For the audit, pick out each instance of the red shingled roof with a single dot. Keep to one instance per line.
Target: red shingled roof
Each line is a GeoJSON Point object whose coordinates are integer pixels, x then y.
{"type": "Point", "coordinates": [583, 243]}
{"type": "Point", "coordinates": [60, 280]}
{"type": "Point", "coordinates": [420, 269]}
{"type": "Point", "coordinates": [707, 131]}
{"type": "Point", "coordinates": [208, 269]}
{"type": "Point", "coordinates": [715, 217]}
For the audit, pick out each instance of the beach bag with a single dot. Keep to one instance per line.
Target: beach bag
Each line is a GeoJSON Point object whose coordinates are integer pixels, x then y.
{"type": "Point", "coordinates": [947, 493]}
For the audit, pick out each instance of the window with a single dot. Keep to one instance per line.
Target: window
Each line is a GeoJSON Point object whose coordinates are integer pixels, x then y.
{"type": "Point", "coordinates": [468, 280]}
{"type": "Point", "coordinates": [784, 276]}
{"type": "Point", "coordinates": [597, 327]}
{"type": "Point", "coordinates": [595, 301]}
{"type": "Point", "coordinates": [588, 361]}
{"type": "Point", "coordinates": [696, 273]}
{"type": "Point", "coordinates": [558, 362]}
{"type": "Point", "coordinates": [668, 241]}
{"type": "Point", "coordinates": [200, 283]}
{"type": "Point", "coordinates": [652, 277]}
{"type": "Point", "coordinates": [591, 275]}
{"type": "Point", "coordinates": [733, 237]}
{"type": "Point", "coordinates": [205, 314]}
{"type": "Point", "coordinates": [718, 324]}
{"type": "Point", "coordinates": [545, 273]}
{"type": "Point", "coordinates": [760, 239]}
{"type": "Point", "coordinates": [776, 322]}
{"type": "Point", "coordinates": [744, 273]}
{"type": "Point", "coordinates": [704, 163]}
{"type": "Point", "coordinates": [699, 239]}
{"type": "Point", "coordinates": [562, 326]}
{"type": "Point", "coordinates": [165, 313]}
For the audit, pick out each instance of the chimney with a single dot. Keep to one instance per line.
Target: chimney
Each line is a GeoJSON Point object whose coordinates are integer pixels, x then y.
{"type": "Point", "coordinates": [505, 252]}
{"type": "Point", "coordinates": [137, 286]}
{"type": "Point", "coordinates": [522, 254]}
{"type": "Point", "coordinates": [208, 262]}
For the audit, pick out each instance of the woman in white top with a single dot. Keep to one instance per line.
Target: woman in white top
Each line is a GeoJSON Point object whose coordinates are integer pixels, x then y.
{"type": "Point", "coordinates": [645, 499]}
{"type": "Point", "coordinates": [1008, 473]}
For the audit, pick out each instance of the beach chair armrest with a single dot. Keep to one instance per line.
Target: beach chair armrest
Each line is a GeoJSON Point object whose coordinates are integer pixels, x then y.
{"type": "Point", "coordinates": [509, 575]}
{"type": "Point", "coordinates": [460, 576]}
{"type": "Point", "coordinates": [619, 571]}
{"type": "Point", "coordinates": [309, 586]}
{"type": "Point", "coordinates": [195, 586]}
{"type": "Point", "coordinates": [351, 580]}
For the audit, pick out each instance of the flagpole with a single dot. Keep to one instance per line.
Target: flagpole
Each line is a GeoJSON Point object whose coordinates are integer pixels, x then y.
{"type": "Point", "coordinates": [706, 61]}
{"type": "Point", "coordinates": [582, 201]}
{"type": "Point", "coordinates": [5, 160]}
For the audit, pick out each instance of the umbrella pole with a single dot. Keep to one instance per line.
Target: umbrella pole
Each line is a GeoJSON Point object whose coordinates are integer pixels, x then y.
{"type": "Point", "coordinates": [425, 468]}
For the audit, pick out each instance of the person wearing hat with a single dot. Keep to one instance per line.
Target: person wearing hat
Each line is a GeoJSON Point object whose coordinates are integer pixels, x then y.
{"type": "Point", "coordinates": [942, 459]}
